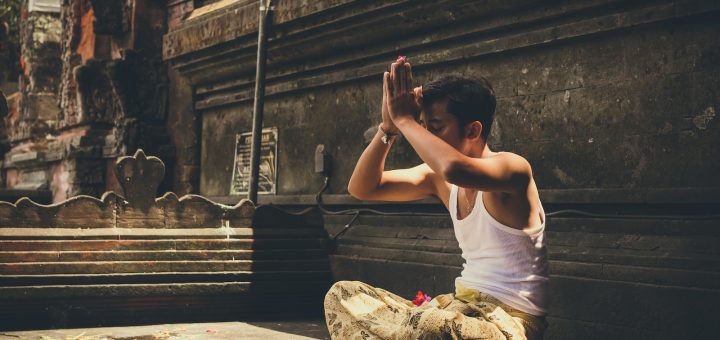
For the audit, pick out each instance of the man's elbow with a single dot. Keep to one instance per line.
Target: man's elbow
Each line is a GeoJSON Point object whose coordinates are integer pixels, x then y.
{"type": "Point", "coordinates": [354, 191]}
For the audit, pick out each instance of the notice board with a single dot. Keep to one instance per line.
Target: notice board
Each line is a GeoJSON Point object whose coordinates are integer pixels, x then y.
{"type": "Point", "coordinates": [267, 182]}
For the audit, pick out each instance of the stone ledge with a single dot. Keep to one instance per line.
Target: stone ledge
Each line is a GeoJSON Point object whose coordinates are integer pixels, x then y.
{"type": "Point", "coordinates": [154, 266]}
{"type": "Point", "coordinates": [166, 277]}
{"type": "Point", "coordinates": [209, 231]}
{"type": "Point", "coordinates": [145, 290]}
{"type": "Point", "coordinates": [162, 244]}
{"type": "Point", "coordinates": [548, 196]}
{"type": "Point", "coordinates": [534, 27]}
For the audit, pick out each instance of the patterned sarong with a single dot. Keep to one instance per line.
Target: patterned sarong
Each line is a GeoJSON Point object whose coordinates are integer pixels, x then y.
{"type": "Point", "coordinates": [355, 310]}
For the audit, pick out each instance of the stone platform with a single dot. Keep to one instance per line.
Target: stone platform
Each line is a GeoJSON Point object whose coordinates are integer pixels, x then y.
{"type": "Point", "coordinates": [291, 330]}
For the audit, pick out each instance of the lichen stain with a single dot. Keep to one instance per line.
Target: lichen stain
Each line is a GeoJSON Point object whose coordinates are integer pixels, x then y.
{"type": "Point", "coordinates": [639, 171]}
{"type": "Point", "coordinates": [666, 129]}
{"type": "Point", "coordinates": [702, 120]}
{"type": "Point", "coordinates": [563, 177]}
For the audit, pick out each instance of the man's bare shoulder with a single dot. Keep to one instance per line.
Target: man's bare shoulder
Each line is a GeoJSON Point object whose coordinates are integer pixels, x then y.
{"type": "Point", "coordinates": [513, 162]}
{"type": "Point", "coordinates": [500, 171]}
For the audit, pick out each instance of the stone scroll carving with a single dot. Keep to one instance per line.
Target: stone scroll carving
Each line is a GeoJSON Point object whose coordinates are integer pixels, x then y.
{"type": "Point", "coordinates": [137, 207]}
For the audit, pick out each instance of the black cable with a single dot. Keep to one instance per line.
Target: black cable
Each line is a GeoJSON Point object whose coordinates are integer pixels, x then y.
{"type": "Point", "coordinates": [356, 213]}
{"type": "Point", "coordinates": [631, 216]}
{"type": "Point", "coordinates": [321, 205]}
{"type": "Point", "coordinates": [345, 228]}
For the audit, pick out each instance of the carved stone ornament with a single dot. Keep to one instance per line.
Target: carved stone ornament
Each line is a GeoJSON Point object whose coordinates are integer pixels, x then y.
{"type": "Point", "coordinates": [139, 176]}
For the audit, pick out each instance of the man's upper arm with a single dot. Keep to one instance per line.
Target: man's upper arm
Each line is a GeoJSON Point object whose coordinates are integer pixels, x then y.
{"type": "Point", "coordinates": [404, 185]}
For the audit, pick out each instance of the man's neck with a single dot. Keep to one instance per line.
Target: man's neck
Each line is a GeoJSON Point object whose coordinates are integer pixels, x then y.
{"type": "Point", "coordinates": [481, 151]}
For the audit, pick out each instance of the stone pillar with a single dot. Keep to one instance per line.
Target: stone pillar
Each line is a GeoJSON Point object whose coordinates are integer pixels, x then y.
{"type": "Point", "coordinates": [3, 135]}
{"type": "Point", "coordinates": [40, 52]}
{"type": "Point", "coordinates": [105, 97]}
{"type": "Point", "coordinates": [114, 79]}
{"type": "Point", "coordinates": [33, 113]}
{"type": "Point", "coordinates": [9, 47]}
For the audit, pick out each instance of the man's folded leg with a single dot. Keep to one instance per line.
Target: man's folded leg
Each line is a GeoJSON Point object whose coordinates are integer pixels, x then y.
{"type": "Point", "coordinates": [355, 310]}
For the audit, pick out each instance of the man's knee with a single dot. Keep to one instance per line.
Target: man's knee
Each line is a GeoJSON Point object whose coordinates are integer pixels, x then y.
{"type": "Point", "coordinates": [335, 291]}
{"type": "Point", "coordinates": [338, 286]}
{"type": "Point", "coordinates": [346, 285]}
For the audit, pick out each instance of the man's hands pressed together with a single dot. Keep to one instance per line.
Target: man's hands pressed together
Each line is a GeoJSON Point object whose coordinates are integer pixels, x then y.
{"type": "Point", "coordinates": [403, 102]}
{"type": "Point", "coordinates": [404, 106]}
{"type": "Point", "coordinates": [387, 123]}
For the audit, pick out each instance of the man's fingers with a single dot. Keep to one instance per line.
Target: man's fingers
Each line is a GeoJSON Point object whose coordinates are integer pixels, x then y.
{"type": "Point", "coordinates": [402, 81]}
{"type": "Point", "coordinates": [392, 79]}
{"type": "Point", "coordinates": [385, 76]}
{"type": "Point", "coordinates": [408, 77]}
{"type": "Point", "coordinates": [387, 85]}
{"type": "Point", "coordinates": [395, 78]}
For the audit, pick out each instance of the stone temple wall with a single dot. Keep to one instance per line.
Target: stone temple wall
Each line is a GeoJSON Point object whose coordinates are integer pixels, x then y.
{"type": "Point", "coordinates": [614, 103]}
{"type": "Point", "coordinates": [94, 88]}
{"type": "Point", "coordinates": [596, 94]}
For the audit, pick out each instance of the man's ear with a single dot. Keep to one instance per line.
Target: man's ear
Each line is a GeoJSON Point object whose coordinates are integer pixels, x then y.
{"type": "Point", "coordinates": [473, 130]}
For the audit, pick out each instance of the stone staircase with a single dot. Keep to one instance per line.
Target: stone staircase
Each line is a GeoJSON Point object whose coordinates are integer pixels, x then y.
{"type": "Point", "coordinates": [132, 260]}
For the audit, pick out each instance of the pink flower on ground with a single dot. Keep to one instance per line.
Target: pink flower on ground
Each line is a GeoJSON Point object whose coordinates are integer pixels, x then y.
{"type": "Point", "coordinates": [421, 298]}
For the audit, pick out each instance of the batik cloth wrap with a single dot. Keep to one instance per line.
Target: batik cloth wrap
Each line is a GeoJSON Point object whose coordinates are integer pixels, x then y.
{"type": "Point", "coordinates": [355, 310]}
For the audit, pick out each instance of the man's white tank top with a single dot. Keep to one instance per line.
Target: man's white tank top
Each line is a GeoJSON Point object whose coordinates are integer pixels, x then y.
{"type": "Point", "coordinates": [507, 263]}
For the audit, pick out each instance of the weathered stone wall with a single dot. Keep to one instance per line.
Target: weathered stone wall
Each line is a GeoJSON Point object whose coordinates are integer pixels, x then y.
{"type": "Point", "coordinates": [40, 50]}
{"type": "Point", "coordinates": [33, 111]}
{"type": "Point", "coordinates": [613, 102]}
{"type": "Point", "coordinates": [7, 105]}
{"type": "Point", "coordinates": [9, 46]}
{"type": "Point", "coordinates": [108, 92]}
{"type": "Point", "coordinates": [594, 96]}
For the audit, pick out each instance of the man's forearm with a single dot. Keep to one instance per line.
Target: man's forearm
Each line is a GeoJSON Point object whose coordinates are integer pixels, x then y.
{"type": "Point", "coordinates": [369, 168]}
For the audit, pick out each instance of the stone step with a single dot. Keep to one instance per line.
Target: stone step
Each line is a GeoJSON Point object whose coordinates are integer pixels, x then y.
{"type": "Point", "coordinates": [167, 277]}
{"type": "Point", "coordinates": [36, 268]}
{"type": "Point", "coordinates": [161, 244]}
{"type": "Point", "coordinates": [41, 233]}
{"type": "Point", "coordinates": [277, 288]}
{"type": "Point", "coordinates": [160, 255]}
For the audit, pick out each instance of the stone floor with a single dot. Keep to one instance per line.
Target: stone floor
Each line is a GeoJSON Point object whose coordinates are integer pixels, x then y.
{"type": "Point", "coordinates": [295, 330]}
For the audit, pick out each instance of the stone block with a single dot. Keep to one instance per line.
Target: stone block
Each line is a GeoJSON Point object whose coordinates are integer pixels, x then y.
{"type": "Point", "coordinates": [31, 179]}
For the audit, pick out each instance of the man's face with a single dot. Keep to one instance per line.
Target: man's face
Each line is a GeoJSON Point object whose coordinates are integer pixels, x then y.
{"type": "Point", "coordinates": [443, 124]}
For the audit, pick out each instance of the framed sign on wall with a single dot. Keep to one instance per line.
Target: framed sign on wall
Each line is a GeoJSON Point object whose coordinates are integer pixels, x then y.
{"type": "Point", "coordinates": [268, 163]}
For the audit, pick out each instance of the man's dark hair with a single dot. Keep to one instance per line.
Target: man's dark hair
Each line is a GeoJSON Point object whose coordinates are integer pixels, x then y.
{"type": "Point", "coordinates": [468, 98]}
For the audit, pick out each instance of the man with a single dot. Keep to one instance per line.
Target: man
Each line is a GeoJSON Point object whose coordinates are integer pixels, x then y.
{"type": "Point", "coordinates": [494, 204]}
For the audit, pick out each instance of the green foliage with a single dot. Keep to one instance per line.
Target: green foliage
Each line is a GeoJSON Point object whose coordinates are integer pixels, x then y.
{"type": "Point", "coordinates": [10, 16]}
